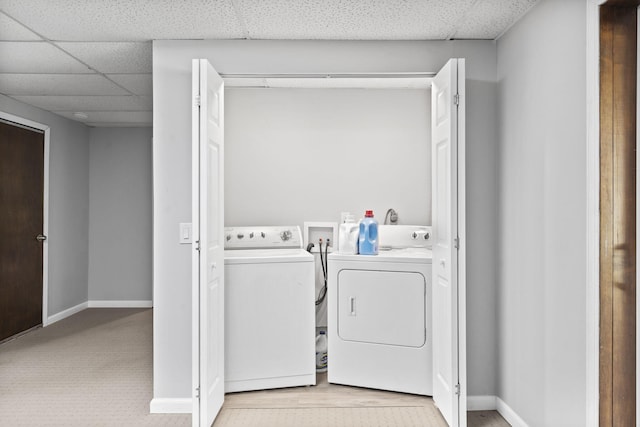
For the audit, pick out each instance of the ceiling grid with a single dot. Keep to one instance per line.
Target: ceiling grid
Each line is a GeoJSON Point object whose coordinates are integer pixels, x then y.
{"type": "Point", "coordinates": [94, 56]}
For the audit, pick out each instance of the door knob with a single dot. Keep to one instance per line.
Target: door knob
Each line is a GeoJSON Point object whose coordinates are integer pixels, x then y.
{"type": "Point", "coordinates": [41, 237]}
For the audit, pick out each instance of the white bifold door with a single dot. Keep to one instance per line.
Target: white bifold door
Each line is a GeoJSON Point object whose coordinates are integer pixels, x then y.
{"type": "Point", "coordinates": [449, 329]}
{"type": "Point", "coordinates": [208, 246]}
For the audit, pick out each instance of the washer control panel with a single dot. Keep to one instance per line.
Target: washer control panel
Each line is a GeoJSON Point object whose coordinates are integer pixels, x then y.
{"type": "Point", "coordinates": [261, 237]}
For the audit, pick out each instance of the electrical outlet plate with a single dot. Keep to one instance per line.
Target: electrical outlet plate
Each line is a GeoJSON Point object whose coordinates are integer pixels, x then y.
{"type": "Point", "coordinates": [314, 231]}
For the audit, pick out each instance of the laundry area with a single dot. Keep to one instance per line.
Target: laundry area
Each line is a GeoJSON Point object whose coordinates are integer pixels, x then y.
{"type": "Point", "coordinates": [319, 190]}
{"type": "Point", "coordinates": [371, 301]}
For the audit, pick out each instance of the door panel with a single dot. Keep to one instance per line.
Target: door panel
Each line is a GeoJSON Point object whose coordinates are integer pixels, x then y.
{"type": "Point", "coordinates": [208, 225]}
{"type": "Point", "coordinates": [21, 220]}
{"type": "Point", "coordinates": [448, 303]}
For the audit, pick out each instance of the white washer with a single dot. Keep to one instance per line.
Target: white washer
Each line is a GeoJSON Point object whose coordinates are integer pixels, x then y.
{"type": "Point", "coordinates": [379, 316]}
{"type": "Point", "coordinates": [269, 309]}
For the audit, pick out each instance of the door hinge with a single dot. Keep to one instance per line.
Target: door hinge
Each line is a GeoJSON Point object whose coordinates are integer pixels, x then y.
{"type": "Point", "coordinates": [197, 245]}
{"type": "Point", "coordinates": [196, 100]}
{"type": "Point", "coordinates": [456, 243]}
{"type": "Point", "coordinates": [457, 389]}
{"type": "Point", "coordinates": [456, 99]}
{"type": "Point", "coordinates": [197, 392]}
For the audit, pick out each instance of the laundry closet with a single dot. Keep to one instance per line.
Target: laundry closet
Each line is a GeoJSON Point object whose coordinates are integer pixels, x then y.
{"type": "Point", "coordinates": [304, 154]}
{"type": "Point", "coordinates": [296, 154]}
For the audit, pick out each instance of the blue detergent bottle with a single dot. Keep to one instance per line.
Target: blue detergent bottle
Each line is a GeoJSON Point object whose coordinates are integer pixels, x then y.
{"type": "Point", "coordinates": [368, 237]}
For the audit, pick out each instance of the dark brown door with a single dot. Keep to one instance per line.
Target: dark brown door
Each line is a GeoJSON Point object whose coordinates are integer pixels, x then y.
{"type": "Point", "coordinates": [618, 53]}
{"type": "Point", "coordinates": [21, 221]}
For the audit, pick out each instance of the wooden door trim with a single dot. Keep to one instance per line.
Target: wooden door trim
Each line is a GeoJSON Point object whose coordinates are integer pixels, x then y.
{"type": "Point", "coordinates": [45, 206]}
{"type": "Point", "coordinates": [618, 216]}
{"type": "Point", "coordinates": [637, 213]}
{"type": "Point", "coordinates": [593, 213]}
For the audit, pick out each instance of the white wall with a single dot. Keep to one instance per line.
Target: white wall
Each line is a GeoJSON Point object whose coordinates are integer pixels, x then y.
{"type": "Point", "coordinates": [542, 98]}
{"type": "Point", "coordinates": [172, 176]}
{"type": "Point", "coordinates": [68, 204]}
{"type": "Point", "coordinates": [120, 214]}
{"type": "Point", "coordinates": [295, 155]}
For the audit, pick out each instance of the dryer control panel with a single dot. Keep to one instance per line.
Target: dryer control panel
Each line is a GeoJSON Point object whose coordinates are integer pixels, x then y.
{"type": "Point", "coordinates": [404, 236]}
{"type": "Point", "coordinates": [263, 237]}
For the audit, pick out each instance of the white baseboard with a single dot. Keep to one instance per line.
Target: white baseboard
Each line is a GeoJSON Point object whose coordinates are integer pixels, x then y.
{"type": "Point", "coordinates": [96, 304]}
{"type": "Point", "coordinates": [171, 406]}
{"type": "Point", "coordinates": [66, 313]}
{"type": "Point", "coordinates": [509, 414]}
{"type": "Point", "coordinates": [481, 403]}
{"type": "Point", "coordinates": [120, 304]}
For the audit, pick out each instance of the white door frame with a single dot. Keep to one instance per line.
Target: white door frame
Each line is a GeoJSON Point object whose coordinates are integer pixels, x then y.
{"type": "Point", "coordinates": [461, 194]}
{"type": "Point", "coordinates": [45, 206]}
{"type": "Point", "coordinates": [593, 214]}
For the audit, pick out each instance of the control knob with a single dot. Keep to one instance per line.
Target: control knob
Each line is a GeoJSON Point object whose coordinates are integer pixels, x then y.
{"type": "Point", "coordinates": [285, 235]}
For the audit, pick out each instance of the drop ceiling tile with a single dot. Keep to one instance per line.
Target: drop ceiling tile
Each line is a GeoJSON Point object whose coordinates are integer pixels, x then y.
{"type": "Point", "coordinates": [37, 57]}
{"type": "Point", "coordinates": [127, 20]}
{"type": "Point", "coordinates": [112, 57]}
{"type": "Point", "coordinates": [58, 84]}
{"type": "Point", "coordinates": [87, 103]}
{"type": "Point", "coordinates": [140, 84]}
{"type": "Point", "coordinates": [351, 19]}
{"type": "Point", "coordinates": [489, 19]}
{"type": "Point", "coordinates": [11, 30]}
{"type": "Point", "coordinates": [146, 102]}
{"type": "Point", "coordinates": [96, 117]}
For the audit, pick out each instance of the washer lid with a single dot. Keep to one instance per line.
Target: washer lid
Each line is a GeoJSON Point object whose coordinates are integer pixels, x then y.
{"type": "Point", "coordinates": [264, 256]}
{"type": "Point", "coordinates": [409, 255]}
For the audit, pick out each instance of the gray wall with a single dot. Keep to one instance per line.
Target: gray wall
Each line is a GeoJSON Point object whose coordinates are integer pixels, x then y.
{"type": "Point", "coordinates": [172, 176]}
{"type": "Point", "coordinates": [68, 204]}
{"type": "Point", "coordinates": [542, 126]}
{"type": "Point", "coordinates": [120, 214]}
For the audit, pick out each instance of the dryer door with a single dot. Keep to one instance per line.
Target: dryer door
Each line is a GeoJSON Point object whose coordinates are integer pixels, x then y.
{"type": "Point", "coordinates": [382, 307]}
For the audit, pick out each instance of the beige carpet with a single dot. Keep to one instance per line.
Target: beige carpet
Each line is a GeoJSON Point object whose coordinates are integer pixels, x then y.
{"type": "Point", "coordinates": [95, 369]}
{"type": "Point", "coordinates": [91, 369]}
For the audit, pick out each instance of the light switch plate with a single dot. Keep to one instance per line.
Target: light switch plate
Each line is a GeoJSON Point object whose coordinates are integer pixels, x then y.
{"type": "Point", "coordinates": [185, 233]}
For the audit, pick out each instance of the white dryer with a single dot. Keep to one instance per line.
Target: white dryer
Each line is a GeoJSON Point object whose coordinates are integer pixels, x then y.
{"type": "Point", "coordinates": [269, 309]}
{"type": "Point", "coordinates": [379, 315]}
